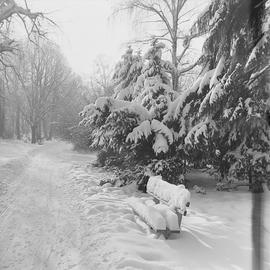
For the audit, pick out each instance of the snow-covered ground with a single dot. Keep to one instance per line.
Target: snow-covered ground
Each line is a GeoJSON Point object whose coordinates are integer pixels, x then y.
{"type": "Point", "coordinates": [53, 215]}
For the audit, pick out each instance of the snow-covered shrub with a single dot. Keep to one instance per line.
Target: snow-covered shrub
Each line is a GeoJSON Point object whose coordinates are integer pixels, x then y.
{"type": "Point", "coordinates": [129, 127]}
{"type": "Point", "coordinates": [171, 169]}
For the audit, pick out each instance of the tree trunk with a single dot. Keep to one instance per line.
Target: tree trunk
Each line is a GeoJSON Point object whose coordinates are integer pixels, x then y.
{"type": "Point", "coordinates": [50, 132]}
{"type": "Point", "coordinates": [257, 221]}
{"type": "Point", "coordinates": [18, 123]}
{"type": "Point", "coordinates": [45, 128]}
{"type": "Point", "coordinates": [2, 118]}
{"type": "Point", "coordinates": [175, 77]}
{"type": "Point", "coordinates": [33, 134]}
{"type": "Point", "coordinates": [250, 179]}
{"type": "Point", "coordinates": [38, 132]}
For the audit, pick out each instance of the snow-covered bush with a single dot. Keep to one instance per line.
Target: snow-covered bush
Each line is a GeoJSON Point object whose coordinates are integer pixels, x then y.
{"type": "Point", "coordinates": [129, 125]}
{"type": "Point", "coordinates": [171, 169]}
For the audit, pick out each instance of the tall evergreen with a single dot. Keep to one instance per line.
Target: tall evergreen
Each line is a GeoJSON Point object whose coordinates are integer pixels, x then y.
{"type": "Point", "coordinates": [230, 95]}
{"type": "Point", "coordinates": [126, 74]}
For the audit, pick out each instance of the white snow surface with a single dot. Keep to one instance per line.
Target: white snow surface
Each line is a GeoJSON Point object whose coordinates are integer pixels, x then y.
{"type": "Point", "coordinates": [169, 216]}
{"type": "Point", "coordinates": [55, 216]}
{"type": "Point", "coordinates": [175, 196]}
{"type": "Point", "coordinates": [149, 213]}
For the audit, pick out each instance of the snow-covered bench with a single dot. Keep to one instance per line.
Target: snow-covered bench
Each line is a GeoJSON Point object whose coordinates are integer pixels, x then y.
{"type": "Point", "coordinates": [166, 216]}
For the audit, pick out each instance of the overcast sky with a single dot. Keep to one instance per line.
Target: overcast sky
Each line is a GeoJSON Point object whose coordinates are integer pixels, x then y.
{"type": "Point", "coordinates": [87, 29]}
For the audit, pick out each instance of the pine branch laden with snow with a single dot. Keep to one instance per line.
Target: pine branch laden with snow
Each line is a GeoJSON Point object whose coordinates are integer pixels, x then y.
{"type": "Point", "coordinates": [218, 71]}
{"type": "Point", "coordinates": [126, 74]}
{"type": "Point", "coordinates": [259, 48]}
{"type": "Point", "coordinates": [150, 214]}
{"type": "Point", "coordinates": [139, 132]}
{"type": "Point", "coordinates": [176, 197]}
{"type": "Point", "coordinates": [201, 130]}
{"type": "Point", "coordinates": [160, 144]}
{"type": "Point", "coordinates": [112, 104]}
{"type": "Point", "coordinates": [205, 81]}
{"type": "Point", "coordinates": [153, 88]}
{"type": "Point", "coordinates": [159, 127]}
{"type": "Point", "coordinates": [183, 97]}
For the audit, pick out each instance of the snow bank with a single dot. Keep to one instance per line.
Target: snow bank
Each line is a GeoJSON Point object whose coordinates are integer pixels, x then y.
{"type": "Point", "coordinates": [175, 196]}
{"type": "Point", "coordinates": [148, 213]}
{"type": "Point", "coordinates": [112, 237]}
{"type": "Point", "coordinates": [170, 217]}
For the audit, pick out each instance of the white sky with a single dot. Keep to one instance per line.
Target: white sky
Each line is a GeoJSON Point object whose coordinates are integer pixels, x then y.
{"type": "Point", "coordinates": [87, 29]}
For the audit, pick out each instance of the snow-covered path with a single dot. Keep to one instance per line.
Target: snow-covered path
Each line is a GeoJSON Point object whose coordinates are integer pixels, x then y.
{"type": "Point", "coordinates": [53, 215]}
{"type": "Point", "coordinates": [38, 230]}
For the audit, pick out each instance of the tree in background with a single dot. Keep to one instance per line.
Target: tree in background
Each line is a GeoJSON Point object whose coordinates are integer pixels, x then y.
{"type": "Point", "coordinates": [42, 72]}
{"type": "Point", "coordinates": [170, 16]}
{"type": "Point", "coordinates": [11, 12]}
{"type": "Point", "coordinates": [99, 82]}
{"type": "Point", "coordinates": [71, 100]}
{"type": "Point", "coordinates": [44, 97]}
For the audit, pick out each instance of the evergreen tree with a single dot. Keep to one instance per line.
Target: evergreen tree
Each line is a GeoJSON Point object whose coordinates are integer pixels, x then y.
{"type": "Point", "coordinates": [230, 95]}
{"type": "Point", "coordinates": [153, 86]}
{"type": "Point", "coordinates": [126, 74]}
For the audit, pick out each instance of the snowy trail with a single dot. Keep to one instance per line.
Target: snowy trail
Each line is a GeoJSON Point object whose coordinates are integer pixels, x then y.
{"type": "Point", "coordinates": [38, 230]}
{"type": "Point", "coordinates": [59, 218]}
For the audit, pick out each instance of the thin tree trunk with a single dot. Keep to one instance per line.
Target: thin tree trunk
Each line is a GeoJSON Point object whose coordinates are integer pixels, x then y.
{"type": "Point", "coordinates": [33, 134]}
{"type": "Point", "coordinates": [38, 132]}
{"type": "Point", "coordinates": [2, 116]}
{"type": "Point", "coordinates": [45, 128]}
{"type": "Point", "coordinates": [257, 221]}
{"type": "Point", "coordinates": [18, 123]}
{"type": "Point", "coordinates": [175, 77]}
{"type": "Point", "coordinates": [50, 132]}
{"type": "Point", "coordinates": [250, 179]}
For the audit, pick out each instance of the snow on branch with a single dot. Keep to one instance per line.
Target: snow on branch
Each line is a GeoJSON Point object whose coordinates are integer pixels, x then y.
{"type": "Point", "coordinates": [143, 130]}
{"type": "Point", "coordinates": [159, 127]}
{"type": "Point", "coordinates": [164, 135]}
{"type": "Point", "coordinates": [114, 105]}
{"type": "Point", "coordinates": [182, 98]}
{"type": "Point", "coordinates": [160, 145]}
{"type": "Point", "coordinates": [218, 70]}
{"type": "Point", "coordinates": [199, 130]}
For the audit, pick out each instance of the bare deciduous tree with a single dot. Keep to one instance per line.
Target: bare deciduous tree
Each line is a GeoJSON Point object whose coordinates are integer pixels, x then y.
{"type": "Point", "coordinates": [9, 11]}
{"type": "Point", "coordinates": [170, 15]}
{"type": "Point", "coordinates": [42, 71]}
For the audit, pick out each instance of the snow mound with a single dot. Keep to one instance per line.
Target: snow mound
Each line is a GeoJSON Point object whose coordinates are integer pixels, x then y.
{"type": "Point", "coordinates": [170, 217]}
{"type": "Point", "coordinates": [176, 196]}
{"type": "Point", "coordinates": [150, 214]}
